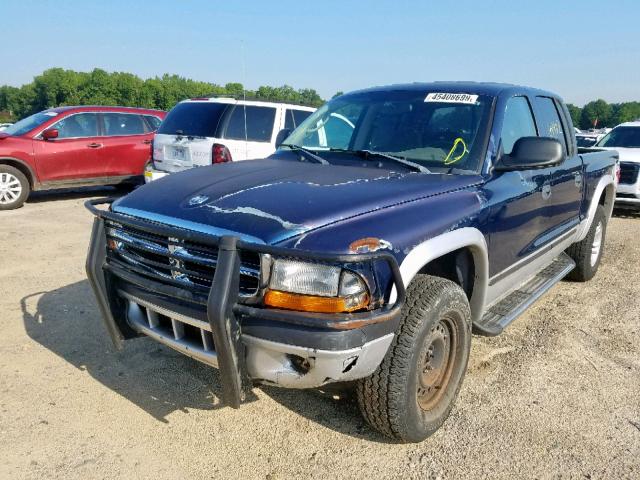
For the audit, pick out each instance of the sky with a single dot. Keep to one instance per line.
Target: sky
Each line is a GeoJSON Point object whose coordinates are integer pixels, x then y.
{"type": "Point", "coordinates": [582, 50]}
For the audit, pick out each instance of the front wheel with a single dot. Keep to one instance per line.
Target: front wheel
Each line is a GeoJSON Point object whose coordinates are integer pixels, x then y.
{"type": "Point", "coordinates": [588, 252]}
{"type": "Point", "coordinates": [14, 188]}
{"type": "Point", "coordinates": [411, 393]}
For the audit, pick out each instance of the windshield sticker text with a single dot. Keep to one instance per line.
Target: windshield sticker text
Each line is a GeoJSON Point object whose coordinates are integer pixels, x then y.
{"type": "Point", "coordinates": [451, 98]}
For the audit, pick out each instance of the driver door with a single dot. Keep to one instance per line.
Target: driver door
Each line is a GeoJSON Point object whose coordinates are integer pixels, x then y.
{"type": "Point", "coordinates": [520, 199]}
{"type": "Point", "coordinates": [74, 154]}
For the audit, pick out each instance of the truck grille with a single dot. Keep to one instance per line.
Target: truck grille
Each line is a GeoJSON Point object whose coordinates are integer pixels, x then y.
{"type": "Point", "coordinates": [174, 261]}
{"type": "Point", "coordinates": [188, 335]}
{"type": "Point", "coordinates": [629, 172]}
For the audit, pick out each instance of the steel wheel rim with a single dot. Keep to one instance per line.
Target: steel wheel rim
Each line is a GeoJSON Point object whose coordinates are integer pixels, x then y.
{"type": "Point", "coordinates": [10, 188]}
{"type": "Point", "coordinates": [436, 363]}
{"type": "Point", "coordinates": [596, 246]}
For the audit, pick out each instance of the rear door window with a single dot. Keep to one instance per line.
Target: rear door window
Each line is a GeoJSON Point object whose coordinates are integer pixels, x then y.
{"type": "Point", "coordinates": [198, 119]}
{"type": "Point", "coordinates": [300, 116]}
{"type": "Point", "coordinates": [81, 125]}
{"type": "Point", "coordinates": [294, 117]}
{"type": "Point", "coordinates": [549, 123]}
{"type": "Point", "coordinates": [259, 122]}
{"type": "Point", "coordinates": [122, 124]}
{"type": "Point", "coordinates": [289, 122]}
{"type": "Point", "coordinates": [517, 123]}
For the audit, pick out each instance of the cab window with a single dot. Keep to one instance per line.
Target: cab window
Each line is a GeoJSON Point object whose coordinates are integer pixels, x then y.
{"type": "Point", "coordinates": [549, 122]}
{"type": "Point", "coordinates": [517, 123]}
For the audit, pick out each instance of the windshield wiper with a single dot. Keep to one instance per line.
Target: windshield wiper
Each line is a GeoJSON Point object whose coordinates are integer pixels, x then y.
{"type": "Point", "coordinates": [307, 152]}
{"type": "Point", "coordinates": [403, 161]}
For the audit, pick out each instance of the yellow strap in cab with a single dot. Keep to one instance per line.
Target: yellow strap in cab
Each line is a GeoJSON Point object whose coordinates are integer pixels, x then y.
{"type": "Point", "coordinates": [448, 160]}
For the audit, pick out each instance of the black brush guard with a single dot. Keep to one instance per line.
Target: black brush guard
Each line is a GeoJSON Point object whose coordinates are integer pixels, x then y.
{"type": "Point", "coordinates": [222, 302]}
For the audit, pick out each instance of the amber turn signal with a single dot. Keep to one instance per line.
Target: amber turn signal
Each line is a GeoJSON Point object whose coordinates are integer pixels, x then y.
{"type": "Point", "coordinates": [312, 303]}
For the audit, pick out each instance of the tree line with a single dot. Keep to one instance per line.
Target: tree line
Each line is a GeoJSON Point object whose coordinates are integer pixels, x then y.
{"type": "Point", "coordinates": [57, 87]}
{"type": "Point", "coordinates": [599, 114]}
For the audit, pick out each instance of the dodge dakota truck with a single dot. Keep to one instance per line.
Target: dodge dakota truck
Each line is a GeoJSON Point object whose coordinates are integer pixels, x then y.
{"type": "Point", "coordinates": [364, 251]}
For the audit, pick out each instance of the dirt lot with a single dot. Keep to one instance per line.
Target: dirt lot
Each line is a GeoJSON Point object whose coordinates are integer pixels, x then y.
{"type": "Point", "coordinates": [557, 395]}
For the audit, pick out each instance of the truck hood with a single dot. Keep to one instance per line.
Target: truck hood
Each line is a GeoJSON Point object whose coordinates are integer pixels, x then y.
{"type": "Point", "coordinates": [269, 201]}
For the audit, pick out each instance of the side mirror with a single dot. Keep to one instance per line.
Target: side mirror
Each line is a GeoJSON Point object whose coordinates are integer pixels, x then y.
{"type": "Point", "coordinates": [282, 136]}
{"type": "Point", "coordinates": [50, 134]}
{"type": "Point", "coordinates": [532, 152]}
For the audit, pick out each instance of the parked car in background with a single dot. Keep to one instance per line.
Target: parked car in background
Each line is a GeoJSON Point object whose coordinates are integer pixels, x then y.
{"type": "Point", "coordinates": [205, 131]}
{"type": "Point", "coordinates": [3, 126]}
{"type": "Point", "coordinates": [387, 226]}
{"type": "Point", "coordinates": [625, 138]}
{"type": "Point", "coordinates": [586, 139]}
{"type": "Point", "coordinates": [74, 146]}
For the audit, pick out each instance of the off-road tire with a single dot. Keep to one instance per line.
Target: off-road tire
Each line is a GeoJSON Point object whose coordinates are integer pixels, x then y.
{"type": "Point", "coordinates": [24, 185]}
{"type": "Point", "coordinates": [581, 252]}
{"type": "Point", "coordinates": [389, 398]}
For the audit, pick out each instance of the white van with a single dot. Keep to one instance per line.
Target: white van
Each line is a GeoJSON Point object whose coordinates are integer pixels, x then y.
{"type": "Point", "coordinates": [203, 131]}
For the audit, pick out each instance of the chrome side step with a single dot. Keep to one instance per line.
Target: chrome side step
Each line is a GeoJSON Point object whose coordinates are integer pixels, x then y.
{"type": "Point", "coordinates": [187, 335]}
{"type": "Point", "coordinates": [501, 314]}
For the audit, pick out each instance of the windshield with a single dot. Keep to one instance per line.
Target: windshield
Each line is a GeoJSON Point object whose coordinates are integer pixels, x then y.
{"type": "Point", "coordinates": [625, 137]}
{"type": "Point", "coordinates": [27, 124]}
{"type": "Point", "coordinates": [196, 119]}
{"type": "Point", "coordinates": [435, 130]}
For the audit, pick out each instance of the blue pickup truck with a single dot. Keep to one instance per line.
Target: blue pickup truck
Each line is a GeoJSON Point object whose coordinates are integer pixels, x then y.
{"type": "Point", "coordinates": [386, 228]}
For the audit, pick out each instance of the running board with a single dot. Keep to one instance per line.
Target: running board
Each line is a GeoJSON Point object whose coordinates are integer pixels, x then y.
{"type": "Point", "coordinates": [496, 319]}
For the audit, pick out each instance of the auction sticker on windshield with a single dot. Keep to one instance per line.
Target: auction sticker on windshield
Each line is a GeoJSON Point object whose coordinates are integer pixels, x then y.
{"type": "Point", "coordinates": [452, 98]}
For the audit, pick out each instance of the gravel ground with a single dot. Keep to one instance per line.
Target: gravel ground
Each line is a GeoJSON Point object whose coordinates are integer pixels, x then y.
{"type": "Point", "coordinates": [557, 395]}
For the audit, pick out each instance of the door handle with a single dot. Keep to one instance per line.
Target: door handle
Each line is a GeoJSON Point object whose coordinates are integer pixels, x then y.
{"type": "Point", "coordinates": [94, 145]}
{"type": "Point", "coordinates": [147, 142]}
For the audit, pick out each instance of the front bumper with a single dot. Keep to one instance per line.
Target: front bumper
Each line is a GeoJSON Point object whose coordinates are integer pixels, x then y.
{"type": "Point", "coordinates": [628, 191]}
{"type": "Point", "coordinates": [245, 342]}
{"type": "Point", "coordinates": [266, 361]}
{"type": "Point", "coordinates": [628, 195]}
{"type": "Point", "coordinates": [152, 174]}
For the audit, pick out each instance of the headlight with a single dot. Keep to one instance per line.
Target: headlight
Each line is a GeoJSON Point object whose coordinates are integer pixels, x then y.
{"type": "Point", "coordinates": [314, 287]}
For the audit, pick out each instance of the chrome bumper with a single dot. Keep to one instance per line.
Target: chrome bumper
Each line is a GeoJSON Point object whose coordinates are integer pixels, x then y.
{"type": "Point", "coordinates": [267, 362]}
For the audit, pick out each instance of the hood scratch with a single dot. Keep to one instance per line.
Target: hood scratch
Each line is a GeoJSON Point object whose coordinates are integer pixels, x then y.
{"type": "Point", "coordinates": [310, 184]}
{"type": "Point", "coordinates": [258, 213]}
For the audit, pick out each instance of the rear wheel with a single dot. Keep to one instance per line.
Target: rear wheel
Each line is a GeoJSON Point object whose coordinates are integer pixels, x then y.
{"type": "Point", "coordinates": [14, 188]}
{"type": "Point", "coordinates": [411, 393]}
{"type": "Point", "coordinates": [588, 252]}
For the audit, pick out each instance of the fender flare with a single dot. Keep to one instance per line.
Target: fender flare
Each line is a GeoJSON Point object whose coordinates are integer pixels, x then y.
{"type": "Point", "coordinates": [603, 183]}
{"type": "Point", "coordinates": [436, 247]}
{"type": "Point", "coordinates": [32, 174]}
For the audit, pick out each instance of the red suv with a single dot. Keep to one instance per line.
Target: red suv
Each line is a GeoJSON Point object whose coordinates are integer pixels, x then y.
{"type": "Point", "coordinates": [74, 146]}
